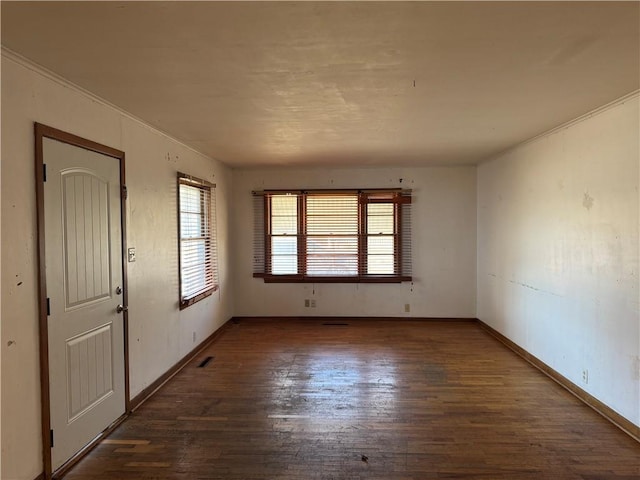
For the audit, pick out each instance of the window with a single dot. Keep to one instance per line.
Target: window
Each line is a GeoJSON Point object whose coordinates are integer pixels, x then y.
{"type": "Point", "coordinates": [197, 228]}
{"type": "Point", "coordinates": [332, 236]}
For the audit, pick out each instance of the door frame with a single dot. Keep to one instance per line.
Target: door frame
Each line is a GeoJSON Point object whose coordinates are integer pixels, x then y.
{"type": "Point", "coordinates": [41, 132]}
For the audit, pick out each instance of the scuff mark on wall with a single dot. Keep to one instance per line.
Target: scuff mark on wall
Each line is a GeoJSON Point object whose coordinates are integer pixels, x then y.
{"type": "Point", "coordinates": [531, 287]}
{"type": "Point", "coordinates": [587, 201]}
{"type": "Point", "coordinates": [636, 367]}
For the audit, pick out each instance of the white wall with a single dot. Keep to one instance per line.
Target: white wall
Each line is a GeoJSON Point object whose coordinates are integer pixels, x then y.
{"type": "Point", "coordinates": [558, 252]}
{"type": "Point", "coordinates": [444, 242]}
{"type": "Point", "coordinates": [160, 334]}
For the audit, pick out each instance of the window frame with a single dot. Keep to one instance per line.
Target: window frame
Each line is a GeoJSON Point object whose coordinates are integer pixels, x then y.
{"type": "Point", "coordinates": [396, 197]}
{"type": "Point", "coordinates": [209, 237]}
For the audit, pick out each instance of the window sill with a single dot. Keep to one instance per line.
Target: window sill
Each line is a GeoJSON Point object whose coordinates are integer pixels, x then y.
{"type": "Point", "coordinates": [353, 279]}
{"type": "Point", "coordinates": [187, 302]}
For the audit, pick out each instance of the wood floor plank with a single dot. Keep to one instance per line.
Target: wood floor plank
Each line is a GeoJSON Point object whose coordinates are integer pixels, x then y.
{"type": "Point", "coordinates": [111, 441]}
{"type": "Point", "coordinates": [376, 400]}
{"type": "Point", "coordinates": [148, 464]}
{"type": "Point", "coordinates": [201, 419]}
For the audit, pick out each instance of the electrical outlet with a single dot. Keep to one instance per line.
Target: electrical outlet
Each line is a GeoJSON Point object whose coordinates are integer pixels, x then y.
{"type": "Point", "coordinates": [306, 302]}
{"type": "Point", "coordinates": [194, 337]}
{"type": "Point", "coordinates": [407, 307]}
{"type": "Point", "coordinates": [312, 303]}
{"type": "Point", "coordinates": [585, 376]}
{"type": "Point", "coordinates": [131, 255]}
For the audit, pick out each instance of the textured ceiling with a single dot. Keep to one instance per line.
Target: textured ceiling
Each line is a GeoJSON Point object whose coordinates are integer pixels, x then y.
{"type": "Point", "coordinates": [339, 83]}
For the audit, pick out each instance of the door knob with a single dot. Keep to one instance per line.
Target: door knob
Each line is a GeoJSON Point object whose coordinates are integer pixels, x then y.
{"type": "Point", "coordinates": [121, 309]}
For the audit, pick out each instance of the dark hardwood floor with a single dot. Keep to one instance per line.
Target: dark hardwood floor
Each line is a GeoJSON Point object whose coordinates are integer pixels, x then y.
{"type": "Point", "coordinates": [378, 400]}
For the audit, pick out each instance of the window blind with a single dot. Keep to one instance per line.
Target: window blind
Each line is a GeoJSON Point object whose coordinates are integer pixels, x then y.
{"type": "Point", "coordinates": [197, 230]}
{"type": "Point", "coordinates": [330, 235]}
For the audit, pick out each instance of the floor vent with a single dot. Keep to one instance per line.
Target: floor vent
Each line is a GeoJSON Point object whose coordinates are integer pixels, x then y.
{"type": "Point", "coordinates": [205, 362]}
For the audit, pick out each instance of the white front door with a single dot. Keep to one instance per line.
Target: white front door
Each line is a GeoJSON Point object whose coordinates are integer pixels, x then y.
{"type": "Point", "coordinates": [83, 253]}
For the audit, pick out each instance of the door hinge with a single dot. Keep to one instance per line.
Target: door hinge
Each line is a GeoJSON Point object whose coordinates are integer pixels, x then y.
{"type": "Point", "coordinates": [44, 172]}
{"type": "Point", "coordinates": [125, 193]}
{"type": "Point", "coordinates": [48, 306]}
{"type": "Point", "coordinates": [51, 436]}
